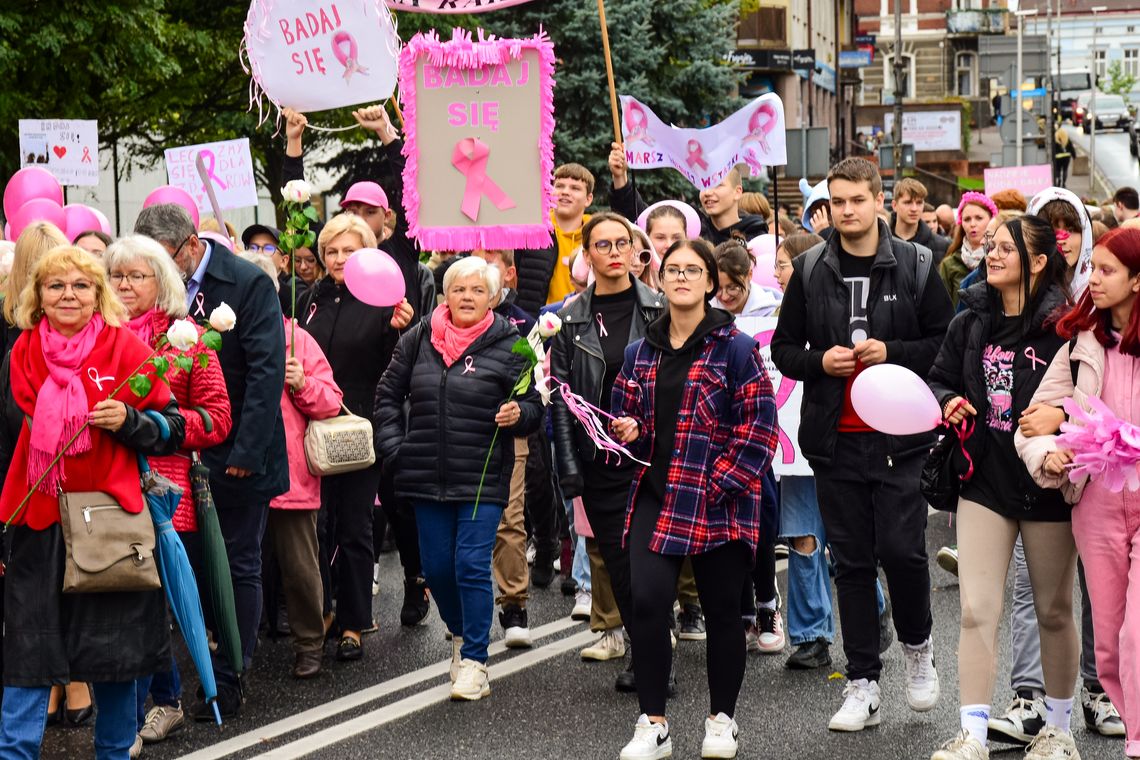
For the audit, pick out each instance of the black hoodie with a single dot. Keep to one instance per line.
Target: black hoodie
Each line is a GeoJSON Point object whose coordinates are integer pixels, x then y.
{"type": "Point", "coordinates": [924, 236]}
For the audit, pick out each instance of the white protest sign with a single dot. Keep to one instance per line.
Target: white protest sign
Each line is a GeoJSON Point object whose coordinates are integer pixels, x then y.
{"type": "Point", "coordinates": [68, 148]}
{"type": "Point", "coordinates": [451, 6]}
{"type": "Point", "coordinates": [313, 56]}
{"type": "Point", "coordinates": [754, 135]}
{"type": "Point", "coordinates": [929, 130]}
{"type": "Point", "coordinates": [789, 459]}
{"type": "Point", "coordinates": [229, 166]}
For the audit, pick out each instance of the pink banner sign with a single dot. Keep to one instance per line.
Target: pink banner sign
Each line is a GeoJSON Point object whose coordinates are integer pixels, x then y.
{"type": "Point", "coordinates": [479, 126]}
{"type": "Point", "coordinates": [1030, 180]}
{"type": "Point", "coordinates": [451, 6]}
{"type": "Point", "coordinates": [789, 395]}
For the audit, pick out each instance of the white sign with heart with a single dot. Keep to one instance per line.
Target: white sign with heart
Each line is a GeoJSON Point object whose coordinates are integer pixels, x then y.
{"type": "Point", "coordinates": [68, 148]}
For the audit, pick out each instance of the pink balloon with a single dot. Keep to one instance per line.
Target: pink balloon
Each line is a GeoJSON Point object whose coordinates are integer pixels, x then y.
{"type": "Point", "coordinates": [28, 184]}
{"type": "Point", "coordinates": [104, 222]}
{"type": "Point", "coordinates": [176, 195]}
{"type": "Point", "coordinates": [37, 210]}
{"type": "Point", "coordinates": [79, 219]}
{"type": "Point", "coordinates": [374, 277]}
{"type": "Point", "coordinates": [763, 247]}
{"type": "Point", "coordinates": [893, 400]}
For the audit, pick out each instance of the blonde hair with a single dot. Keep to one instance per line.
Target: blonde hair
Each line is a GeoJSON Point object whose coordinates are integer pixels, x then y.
{"type": "Point", "coordinates": [755, 203]}
{"type": "Point", "coordinates": [140, 249]}
{"type": "Point", "coordinates": [340, 224]}
{"type": "Point", "coordinates": [210, 224]}
{"type": "Point", "coordinates": [36, 240]}
{"type": "Point", "coordinates": [59, 261]}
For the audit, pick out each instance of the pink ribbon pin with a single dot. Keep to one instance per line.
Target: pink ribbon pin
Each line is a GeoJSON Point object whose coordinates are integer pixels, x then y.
{"type": "Point", "coordinates": [602, 331]}
{"type": "Point", "coordinates": [347, 58]}
{"type": "Point", "coordinates": [696, 156]}
{"type": "Point", "coordinates": [200, 304]}
{"type": "Point", "coordinates": [312, 313]}
{"type": "Point", "coordinates": [638, 124]}
{"type": "Point", "coordinates": [1031, 355]}
{"type": "Point", "coordinates": [210, 160]}
{"type": "Point", "coordinates": [470, 158]}
{"type": "Point", "coordinates": [468, 365]}
{"type": "Point", "coordinates": [98, 379]}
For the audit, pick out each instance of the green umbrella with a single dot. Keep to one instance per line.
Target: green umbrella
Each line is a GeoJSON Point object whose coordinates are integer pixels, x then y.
{"type": "Point", "coordinates": [216, 563]}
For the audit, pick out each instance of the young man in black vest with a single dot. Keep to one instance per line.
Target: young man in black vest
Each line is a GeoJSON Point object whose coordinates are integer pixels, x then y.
{"type": "Point", "coordinates": [863, 298]}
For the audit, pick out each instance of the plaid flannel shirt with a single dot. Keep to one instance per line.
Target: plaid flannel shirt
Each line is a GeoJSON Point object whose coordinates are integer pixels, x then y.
{"type": "Point", "coordinates": [726, 434]}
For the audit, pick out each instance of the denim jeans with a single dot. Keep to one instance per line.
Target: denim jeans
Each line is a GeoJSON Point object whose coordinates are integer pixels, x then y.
{"type": "Point", "coordinates": [165, 688]}
{"type": "Point", "coordinates": [580, 571]}
{"type": "Point", "coordinates": [455, 547]}
{"type": "Point", "coordinates": [24, 716]}
{"type": "Point", "coordinates": [809, 583]}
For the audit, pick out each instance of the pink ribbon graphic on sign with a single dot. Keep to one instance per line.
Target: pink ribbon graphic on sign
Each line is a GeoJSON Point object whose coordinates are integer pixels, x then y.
{"type": "Point", "coordinates": [783, 393]}
{"type": "Point", "coordinates": [470, 158]}
{"type": "Point", "coordinates": [696, 156]}
{"type": "Point", "coordinates": [200, 305]}
{"type": "Point", "coordinates": [758, 129]}
{"type": "Point", "coordinates": [347, 58]}
{"type": "Point", "coordinates": [468, 366]}
{"type": "Point", "coordinates": [1031, 355]}
{"type": "Point", "coordinates": [86, 156]}
{"type": "Point", "coordinates": [637, 123]}
{"type": "Point", "coordinates": [210, 160]}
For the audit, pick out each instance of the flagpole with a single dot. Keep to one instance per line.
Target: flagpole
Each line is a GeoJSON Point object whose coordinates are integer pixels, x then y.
{"type": "Point", "coordinates": [609, 71]}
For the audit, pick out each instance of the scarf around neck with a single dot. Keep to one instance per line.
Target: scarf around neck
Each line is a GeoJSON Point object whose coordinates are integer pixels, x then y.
{"type": "Point", "coordinates": [61, 403]}
{"type": "Point", "coordinates": [452, 341]}
{"type": "Point", "coordinates": [147, 325]}
{"type": "Point", "coordinates": [971, 257]}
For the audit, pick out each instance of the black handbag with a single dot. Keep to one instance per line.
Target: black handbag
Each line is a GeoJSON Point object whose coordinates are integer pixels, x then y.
{"type": "Point", "coordinates": [947, 466]}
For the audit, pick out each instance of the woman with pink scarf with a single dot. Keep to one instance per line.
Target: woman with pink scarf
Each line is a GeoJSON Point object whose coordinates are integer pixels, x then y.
{"type": "Point", "coordinates": [456, 372]}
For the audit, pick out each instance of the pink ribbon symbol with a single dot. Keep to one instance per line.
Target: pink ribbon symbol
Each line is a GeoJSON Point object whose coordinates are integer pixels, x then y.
{"type": "Point", "coordinates": [470, 158]}
{"type": "Point", "coordinates": [637, 123]}
{"type": "Point", "coordinates": [209, 159]}
{"type": "Point", "coordinates": [200, 305]}
{"type": "Point", "coordinates": [347, 57]}
{"type": "Point", "coordinates": [602, 331]}
{"type": "Point", "coordinates": [86, 156]}
{"type": "Point", "coordinates": [98, 379]}
{"type": "Point", "coordinates": [468, 365]}
{"type": "Point", "coordinates": [312, 313]}
{"type": "Point", "coordinates": [696, 156]}
{"type": "Point", "coordinates": [1031, 355]}
{"type": "Point", "coordinates": [758, 129]}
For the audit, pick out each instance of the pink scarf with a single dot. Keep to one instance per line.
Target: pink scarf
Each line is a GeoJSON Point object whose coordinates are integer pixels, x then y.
{"type": "Point", "coordinates": [452, 341]}
{"type": "Point", "coordinates": [61, 404]}
{"type": "Point", "coordinates": [143, 325]}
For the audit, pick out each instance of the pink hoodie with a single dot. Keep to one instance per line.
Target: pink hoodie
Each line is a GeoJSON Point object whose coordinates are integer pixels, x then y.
{"type": "Point", "coordinates": [318, 400]}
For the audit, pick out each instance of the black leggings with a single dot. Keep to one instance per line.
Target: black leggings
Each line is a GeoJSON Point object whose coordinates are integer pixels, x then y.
{"type": "Point", "coordinates": [761, 582]}
{"type": "Point", "coordinates": [720, 575]}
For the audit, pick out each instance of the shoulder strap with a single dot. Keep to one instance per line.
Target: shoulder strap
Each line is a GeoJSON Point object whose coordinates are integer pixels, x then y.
{"type": "Point", "coordinates": [924, 260]}
{"type": "Point", "coordinates": [811, 258]}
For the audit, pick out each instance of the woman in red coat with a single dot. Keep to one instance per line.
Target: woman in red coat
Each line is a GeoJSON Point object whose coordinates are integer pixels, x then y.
{"type": "Point", "coordinates": [146, 281]}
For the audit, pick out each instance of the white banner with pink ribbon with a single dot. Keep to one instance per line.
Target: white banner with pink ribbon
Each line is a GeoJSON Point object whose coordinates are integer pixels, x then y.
{"type": "Point", "coordinates": [228, 165]}
{"type": "Point", "coordinates": [789, 460]}
{"type": "Point", "coordinates": [479, 126]}
{"type": "Point", "coordinates": [754, 135]}
{"type": "Point", "coordinates": [451, 6]}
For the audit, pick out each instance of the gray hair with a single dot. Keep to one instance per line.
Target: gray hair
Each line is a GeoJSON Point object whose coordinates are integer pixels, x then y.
{"type": "Point", "coordinates": [469, 266]}
{"type": "Point", "coordinates": [141, 249]}
{"type": "Point", "coordinates": [264, 263]}
{"type": "Point", "coordinates": [168, 223]}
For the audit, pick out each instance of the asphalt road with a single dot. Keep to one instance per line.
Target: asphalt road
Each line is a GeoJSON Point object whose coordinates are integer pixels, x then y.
{"type": "Point", "coordinates": [1116, 163]}
{"type": "Point", "coordinates": [547, 703]}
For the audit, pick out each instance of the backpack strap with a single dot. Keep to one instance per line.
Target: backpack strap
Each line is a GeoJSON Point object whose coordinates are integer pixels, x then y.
{"type": "Point", "coordinates": [924, 260]}
{"type": "Point", "coordinates": [1074, 364]}
{"type": "Point", "coordinates": [811, 258]}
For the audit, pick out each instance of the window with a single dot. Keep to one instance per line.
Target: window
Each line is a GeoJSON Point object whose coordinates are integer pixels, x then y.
{"type": "Point", "coordinates": [1132, 62]}
{"type": "Point", "coordinates": [1101, 63]}
{"type": "Point", "coordinates": [766, 25]}
{"type": "Point", "coordinates": [889, 77]}
{"type": "Point", "coordinates": [966, 74]}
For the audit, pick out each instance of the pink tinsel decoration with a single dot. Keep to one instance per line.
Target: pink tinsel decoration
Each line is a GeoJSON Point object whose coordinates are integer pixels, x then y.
{"type": "Point", "coordinates": [1105, 447]}
{"type": "Point", "coordinates": [588, 414]}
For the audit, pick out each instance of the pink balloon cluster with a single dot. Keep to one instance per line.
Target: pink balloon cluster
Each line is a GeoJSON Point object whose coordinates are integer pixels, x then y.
{"type": "Point", "coordinates": [34, 195]}
{"type": "Point", "coordinates": [374, 277]}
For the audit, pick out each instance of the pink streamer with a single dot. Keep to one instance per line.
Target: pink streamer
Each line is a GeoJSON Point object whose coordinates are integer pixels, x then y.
{"type": "Point", "coordinates": [588, 415]}
{"type": "Point", "coordinates": [470, 157]}
{"type": "Point", "coordinates": [1105, 448]}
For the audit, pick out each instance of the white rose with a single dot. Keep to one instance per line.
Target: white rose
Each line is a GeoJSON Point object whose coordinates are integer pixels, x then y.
{"type": "Point", "coordinates": [296, 190]}
{"type": "Point", "coordinates": [182, 334]}
{"type": "Point", "coordinates": [548, 324]}
{"type": "Point", "coordinates": [223, 318]}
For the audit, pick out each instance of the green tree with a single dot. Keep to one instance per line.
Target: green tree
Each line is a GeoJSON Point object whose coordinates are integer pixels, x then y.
{"type": "Point", "coordinates": [1119, 83]}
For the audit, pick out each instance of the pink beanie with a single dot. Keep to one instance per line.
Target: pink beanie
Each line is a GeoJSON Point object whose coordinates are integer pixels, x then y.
{"type": "Point", "coordinates": [978, 199]}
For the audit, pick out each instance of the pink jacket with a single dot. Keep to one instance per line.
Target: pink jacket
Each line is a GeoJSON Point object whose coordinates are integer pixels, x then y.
{"type": "Point", "coordinates": [318, 400]}
{"type": "Point", "coordinates": [1056, 386]}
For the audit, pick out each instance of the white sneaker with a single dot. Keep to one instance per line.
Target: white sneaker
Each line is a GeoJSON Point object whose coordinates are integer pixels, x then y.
{"type": "Point", "coordinates": [651, 741]}
{"type": "Point", "coordinates": [962, 747]}
{"type": "Point", "coordinates": [471, 682]}
{"type": "Point", "coordinates": [1100, 714]}
{"type": "Point", "coordinates": [609, 646]}
{"type": "Point", "coordinates": [1052, 744]}
{"type": "Point", "coordinates": [1022, 721]}
{"type": "Point", "coordinates": [721, 735]}
{"type": "Point", "coordinates": [583, 603]}
{"type": "Point", "coordinates": [860, 707]}
{"type": "Point", "coordinates": [376, 579]}
{"type": "Point", "coordinates": [456, 658]}
{"type": "Point", "coordinates": [921, 677]}
{"type": "Point", "coordinates": [136, 749]}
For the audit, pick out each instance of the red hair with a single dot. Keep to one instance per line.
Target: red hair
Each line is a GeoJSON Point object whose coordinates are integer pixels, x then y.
{"type": "Point", "coordinates": [1124, 244]}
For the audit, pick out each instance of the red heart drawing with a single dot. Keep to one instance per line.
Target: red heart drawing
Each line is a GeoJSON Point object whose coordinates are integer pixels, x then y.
{"type": "Point", "coordinates": [59, 150]}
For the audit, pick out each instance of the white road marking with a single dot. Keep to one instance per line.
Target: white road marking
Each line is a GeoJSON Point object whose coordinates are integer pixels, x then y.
{"type": "Point", "coordinates": [416, 702]}
{"type": "Point", "coordinates": [356, 699]}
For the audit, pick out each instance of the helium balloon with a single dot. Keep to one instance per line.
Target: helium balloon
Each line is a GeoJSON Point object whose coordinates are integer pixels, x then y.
{"type": "Point", "coordinates": [37, 210]}
{"type": "Point", "coordinates": [28, 184]}
{"type": "Point", "coordinates": [763, 247]}
{"type": "Point", "coordinates": [374, 277]}
{"type": "Point", "coordinates": [893, 400]}
{"type": "Point", "coordinates": [692, 221]}
{"type": "Point", "coordinates": [175, 195]}
{"type": "Point", "coordinates": [79, 219]}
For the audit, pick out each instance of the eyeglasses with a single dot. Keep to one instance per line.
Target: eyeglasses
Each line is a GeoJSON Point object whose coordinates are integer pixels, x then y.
{"type": "Point", "coordinates": [987, 242]}
{"type": "Point", "coordinates": [178, 250]}
{"type": "Point", "coordinates": [782, 265]}
{"type": "Point", "coordinates": [732, 291]}
{"type": "Point", "coordinates": [644, 256]}
{"type": "Point", "coordinates": [605, 246]}
{"type": "Point", "coordinates": [267, 248]}
{"type": "Point", "coordinates": [674, 273]}
{"type": "Point", "coordinates": [79, 288]}
{"type": "Point", "coordinates": [134, 278]}
{"type": "Point", "coordinates": [1001, 251]}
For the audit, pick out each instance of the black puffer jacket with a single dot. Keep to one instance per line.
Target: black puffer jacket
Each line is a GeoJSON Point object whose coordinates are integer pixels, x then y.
{"type": "Point", "coordinates": [576, 358]}
{"type": "Point", "coordinates": [924, 236]}
{"type": "Point", "coordinates": [535, 268]}
{"type": "Point", "coordinates": [452, 416]}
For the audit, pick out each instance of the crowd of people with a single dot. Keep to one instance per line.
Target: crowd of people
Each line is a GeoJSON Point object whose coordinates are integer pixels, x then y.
{"type": "Point", "coordinates": [480, 484]}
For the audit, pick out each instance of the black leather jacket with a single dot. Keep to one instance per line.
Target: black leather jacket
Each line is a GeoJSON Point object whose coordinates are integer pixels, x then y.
{"type": "Point", "coordinates": [576, 358]}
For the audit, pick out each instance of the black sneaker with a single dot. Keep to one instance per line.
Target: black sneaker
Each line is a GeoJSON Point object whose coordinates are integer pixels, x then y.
{"type": "Point", "coordinates": [416, 604]}
{"type": "Point", "coordinates": [229, 705]}
{"type": "Point", "coordinates": [810, 655]}
{"type": "Point", "coordinates": [886, 628]}
{"type": "Point", "coordinates": [692, 623]}
{"type": "Point", "coordinates": [516, 634]}
{"type": "Point", "coordinates": [569, 587]}
{"type": "Point", "coordinates": [626, 682]}
{"type": "Point", "coordinates": [542, 572]}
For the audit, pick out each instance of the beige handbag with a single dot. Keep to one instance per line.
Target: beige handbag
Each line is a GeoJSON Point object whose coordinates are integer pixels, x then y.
{"type": "Point", "coordinates": [108, 548]}
{"type": "Point", "coordinates": [339, 444]}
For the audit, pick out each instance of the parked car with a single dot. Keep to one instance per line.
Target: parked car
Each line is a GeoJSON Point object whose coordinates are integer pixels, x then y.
{"type": "Point", "coordinates": [1111, 112]}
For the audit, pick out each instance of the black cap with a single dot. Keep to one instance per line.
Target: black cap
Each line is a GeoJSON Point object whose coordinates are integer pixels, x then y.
{"type": "Point", "coordinates": [257, 229]}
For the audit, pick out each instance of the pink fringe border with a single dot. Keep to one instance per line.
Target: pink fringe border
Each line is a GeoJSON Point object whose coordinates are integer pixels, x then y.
{"type": "Point", "coordinates": [465, 52]}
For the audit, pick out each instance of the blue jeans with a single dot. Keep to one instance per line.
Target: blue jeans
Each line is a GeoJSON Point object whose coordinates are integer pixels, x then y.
{"type": "Point", "coordinates": [165, 688]}
{"type": "Point", "coordinates": [809, 583]}
{"type": "Point", "coordinates": [24, 716]}
{"type": "Point", "coordinates": [455, 549]}
{"type": "Point", "coordinates": [580, 571]}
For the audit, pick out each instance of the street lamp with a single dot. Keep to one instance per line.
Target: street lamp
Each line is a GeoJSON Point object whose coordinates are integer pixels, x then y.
{"type": "Point", "coordinates": [1020, 76]}
{"type": "Point", "coordinates": [1092, 100]}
